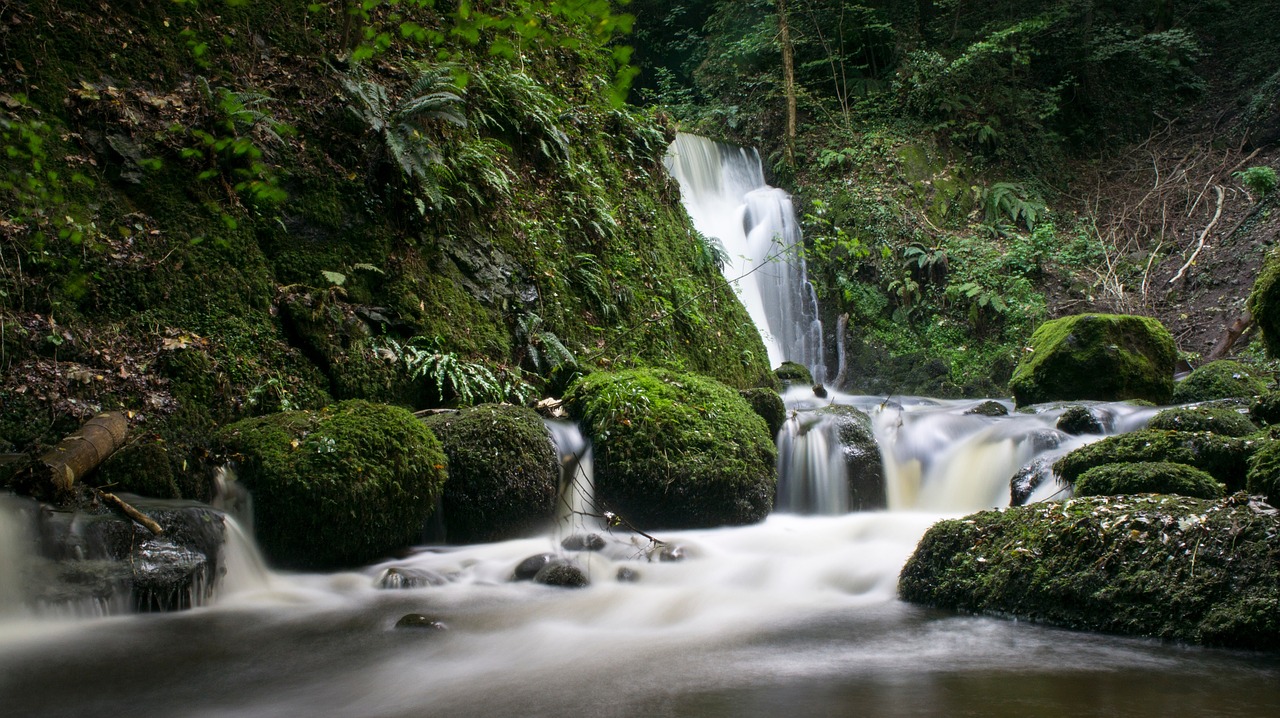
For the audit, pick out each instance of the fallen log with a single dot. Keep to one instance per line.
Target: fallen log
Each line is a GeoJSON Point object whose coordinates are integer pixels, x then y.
{"type": "Point", "coordinates": [78, 454]}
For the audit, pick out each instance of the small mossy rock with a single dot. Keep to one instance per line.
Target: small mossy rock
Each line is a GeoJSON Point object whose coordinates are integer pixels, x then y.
{"type": "Point", "coordinates": [1227, 422]}
{"type": "Point", "coordinates": [1148, 477]}
{"type": "Point", "coordinates": [503, 472]}
{"type": "Point", "coordinates": [1224, 458]}
{"type": "Point", "coordinates": [1105, 357]}
{"type": "Point", "coordinates": [863, 461]}
{"type": "Point", "coordinates": [675, 450]}
{"type": "Point", "coordinates": [563, 575]}
{"type": "Point", "coordinates": [340, 486]}
{"type": "Point", "coordinates": [989, 408]}
{"type": "Point", "coordinates": [768, 405]}
{"type": "Point", "coordinates": [1170, 567]}
{"type": "Point", "coordinates": [1265, 410]}
{"type": "Point", "coordinates": [792, 374]}
{"type": "Point", "coordinates": [1264, 303]}
{"type": "Point", "coordinates": [1078, 420]}
{"type": "Point", "coordinates": [1221, 379]}
{"type": "Point", "coordinates": [1264, 472]}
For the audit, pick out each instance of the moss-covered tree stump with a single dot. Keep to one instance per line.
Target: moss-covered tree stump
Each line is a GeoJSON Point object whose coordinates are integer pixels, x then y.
{"type": "Point", "coordinates": [1165, 566]}
{"type": "Point", "coordinates": [1104, 357]}
{"type": "Point", "coordinates": [341, 486]}
{"type": "Point", "coordinates": [676, 450]}
{"type": "Point", "coordinates": [503, 472]}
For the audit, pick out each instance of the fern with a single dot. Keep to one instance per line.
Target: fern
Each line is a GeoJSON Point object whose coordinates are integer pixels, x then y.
{"type": "Point", "coordinates": [543, 349]}
{"type": "Point", "coordinates": [468, 382]}
{"type": "Point", "coordinates": [516, 104]}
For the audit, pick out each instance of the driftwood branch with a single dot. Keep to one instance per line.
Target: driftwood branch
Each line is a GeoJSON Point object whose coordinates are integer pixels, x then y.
{"type": "Point", "coordinates": [123, 507]}
{"type": "Point", "coordinates": [1203, 235]}
{"type": "Point", "coordinates": [1230, 336]}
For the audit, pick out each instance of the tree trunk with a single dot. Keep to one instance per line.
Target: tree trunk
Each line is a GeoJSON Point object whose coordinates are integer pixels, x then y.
{"type": "Point", "coordinates": [788, 80]}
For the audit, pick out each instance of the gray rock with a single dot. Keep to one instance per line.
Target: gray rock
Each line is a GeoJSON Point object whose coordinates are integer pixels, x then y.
{"type": "Point", "coordinates": [419, 621]}
{"type": "Point", "coordinates": [563, 575]}
{"type": "Point", "coordinates": [583, 542]}
{"type": "Point", "coordinates": [528, 569]}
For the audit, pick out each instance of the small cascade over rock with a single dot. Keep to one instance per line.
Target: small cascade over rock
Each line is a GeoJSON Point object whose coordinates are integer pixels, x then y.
{"type": "Point", "coordinates": [575, 506]}
{"type": "Point", "coordinates": [811, 470]}
{"type": "Point", "coordinates": [724, 191]}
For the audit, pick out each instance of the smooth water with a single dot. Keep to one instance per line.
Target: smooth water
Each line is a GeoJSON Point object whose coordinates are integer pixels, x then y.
{"type": "Point", "coordinates": [795, 615]}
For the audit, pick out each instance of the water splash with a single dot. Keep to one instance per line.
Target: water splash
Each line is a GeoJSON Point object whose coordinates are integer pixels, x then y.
{"type": "Point", "coordinates": [724, 192]}
{"type": "Point", "coordinates": [812, 476]}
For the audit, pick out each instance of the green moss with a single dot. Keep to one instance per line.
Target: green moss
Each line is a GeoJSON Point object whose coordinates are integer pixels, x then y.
{"type": "Point", "coordinates": [1265, 410]}
{"type": "Point", "coordinates": [1148, 477]}
{"type": "Point", "coordinates": [1106, 357]}
{"type": "Point", "coordinates": [1077, 420]}
{"type": "Point", "coordinates": [1221, 379]}
{"type": "Point", "coordinates": [1227, 422]}
{"type": "Point", "coordinates": [341, 486]}
{"type": "Point", "coordinates": [1165, 566]}
{"type": "Point", "coordinates": [1264, 472]}
{"type": "Point", "coordinates": [1264, 303]}
{"type": "Point", "coordinates": [768, 405]}
{"type": "Point", "coordinates": [145, 468]}
{"type": "Point", "coordinates": [1224, 458]}
{"type": "Point", "coordinates": [793, 374]}
{"type": "Point", "coordinates": [675, 450]}
{"type": "Point", "coordinates": [503, 472]}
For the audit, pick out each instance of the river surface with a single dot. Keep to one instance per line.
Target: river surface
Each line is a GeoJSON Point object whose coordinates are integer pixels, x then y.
{"type": "Point", "coordinates": [795, 616]}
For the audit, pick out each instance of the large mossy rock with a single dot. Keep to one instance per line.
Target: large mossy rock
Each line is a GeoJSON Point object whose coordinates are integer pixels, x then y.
{"type": "Point", "coordinates": [1105, 357]}
{"type": "Point", "coordinates": [1148, 477]}
{"type": "Point", "coordinates": [1221, 379]}
{"type": "Point", "coordinates": [675, 450]}
{"type": "Point", "coordinates": [503, 472]}
{"type": "Point", "coordinates": [1227, 422]}
{"type": "Point", "coordinates": [1222, 457]}
{"type": "Point", "coordinates": [1205, 571]}
{"type": "Point", "coordinates": [340, 486]}
{"type": "Point", "coordinates": [768, 405]}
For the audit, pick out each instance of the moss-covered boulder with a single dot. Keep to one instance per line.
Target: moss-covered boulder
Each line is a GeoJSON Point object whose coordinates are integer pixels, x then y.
{"type": "Point", "coordinates": [1172, 567]}
{"type": "Point", "coordinates": [863, 461]}
{"type": "Point", "coordinates": [792, 374]}
{"type": "Point", "coordinates": [1148, 477]}
{"type": "Point", "coordinates": [675, 450]}
{"type": "Point", "coordinates": [1222, 457]}
{"type": "Point", "coordinates": [1221, 379]}
{"type": "Point", "coordinates": [1265, 410]}
{"type": "Point", "coordinates": [340, 486]}
{"type": "Point", "coordinates": [1264, 472]}
{"type": "Point", "coordinates": [1227, 422]}
{"type": "Point", "coordinates": [768, 405]}
{"type": "Point", "coordinates": [1264, 302]}
{"type": "Point", "coordinates": [1105, 357]}
{"type": "Point", "coordinates": [503, 472]}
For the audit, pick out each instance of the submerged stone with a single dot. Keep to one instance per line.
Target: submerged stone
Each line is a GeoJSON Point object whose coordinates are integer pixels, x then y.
{"type": "Point", "coordinates": [420, 622]}
{"type": "Point", "coordinates": [583, 542]}
{"type": "Point", "coordinates": [397, 578]}
{"type": "Point", "coordinates": [563, 575]}
{"type": "Point", "coordinates": [1079, 420]}
{"type": "Point", "coordinates": [1027, 480]}
{"type": "Point", "coordinates": [989, 408]}
{"type": "Point", "coordinates": [626, 574]}
{"type": "Point", "coordinates": [529, 567]}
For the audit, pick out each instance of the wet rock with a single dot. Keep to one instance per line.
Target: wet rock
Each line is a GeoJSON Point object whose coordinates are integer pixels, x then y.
{"type": "Point", "coordinates": [1045, 439]}
{"type": "Point", "coordinates": [398, 578]}
{"type": "Point", "coordinates": [626, 574]}
{"type": "Point", "coordinates": [864, 464]}
{"type": "Point", "coordinates": [1027, 480]}
{"type": "Point", "coordinates": [989, 408]}
{"type": "Point", "coordinates": [583, 542]}
{"type": "Point", "coordinates": [792, 374]}
{"type": "Point", "coordinates": [421, 622]}
{"type": "Point", "coordinates": [670, 553]}
{"type": "Point", "coordinates": [1078, 420]}
{"type": "Point", "coordinates": [563, 575]}
{"type": "Point", "coordinates": [528, 569]}
{"type": "Point", "coordinates": [820, 391]}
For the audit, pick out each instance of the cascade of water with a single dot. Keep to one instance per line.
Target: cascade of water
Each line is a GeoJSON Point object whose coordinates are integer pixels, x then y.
{"type": "Point", "coordinates": [724, 191]}
{"type": "Point", "coordinates": [575, 507]}
{"type": "Point", "coordinates": [15, 536]}
{"type": "Point", "coordinates": [812, 476]}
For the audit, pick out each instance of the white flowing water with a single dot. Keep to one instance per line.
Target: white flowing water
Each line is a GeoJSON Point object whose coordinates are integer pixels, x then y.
{"type": "Point", "coordinates": [724, 191]}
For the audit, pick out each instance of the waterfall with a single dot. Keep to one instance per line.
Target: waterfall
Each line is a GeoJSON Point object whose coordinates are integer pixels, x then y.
{"type": "Point", "coordinates": [15, 535]}
{"type": "Point", "coordinates": [575, 504]}
{"type": "Point", "coordinates": [724, 192]}
{"type": "Point", "coordinates": [811, 467]}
